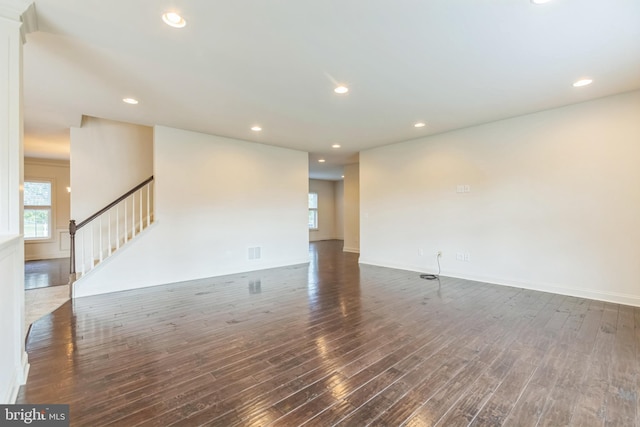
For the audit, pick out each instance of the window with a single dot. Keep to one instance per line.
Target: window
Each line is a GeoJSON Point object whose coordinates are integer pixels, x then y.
{"type": "Point", "coordinates": [313, 211]}
{"type": "Point", "coordinates": [37, 210]}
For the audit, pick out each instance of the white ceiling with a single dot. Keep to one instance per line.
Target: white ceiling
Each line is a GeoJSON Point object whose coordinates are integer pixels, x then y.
{"type": "Point", "coordinates": [450, 63]}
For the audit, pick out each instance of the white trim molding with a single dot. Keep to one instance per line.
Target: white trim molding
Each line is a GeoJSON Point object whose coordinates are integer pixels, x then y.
{"type": "Point", "coordinates": [612, 297]}
{"type": "Point", "coordinates": [23, 11]}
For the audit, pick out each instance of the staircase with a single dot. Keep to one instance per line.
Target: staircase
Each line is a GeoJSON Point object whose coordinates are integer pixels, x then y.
{"type": "Point", "coordinates": [111, 228]}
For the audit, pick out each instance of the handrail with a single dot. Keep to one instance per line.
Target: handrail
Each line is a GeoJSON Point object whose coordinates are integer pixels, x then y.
{"type": "Point", "coordinates": [73, 227]}
{"type": "Point", "coordinates": [112, 204]}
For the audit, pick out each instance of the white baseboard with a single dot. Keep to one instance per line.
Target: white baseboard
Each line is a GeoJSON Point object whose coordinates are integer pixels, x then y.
{"type": "Point", "coordinates": [50, 255]}
{"type": "Point", "coordinates": [612, 297]}
{"type": "Point", "coordinates": [352, 250]}
{"type": "Point", "coordinates": [98, 287]}
{"type": "Point", "coordinates": [24, 374]}
{"type": "Point", "coordinates": [385, 264]}
{"type": "Point", "coordinates": [18, 378]}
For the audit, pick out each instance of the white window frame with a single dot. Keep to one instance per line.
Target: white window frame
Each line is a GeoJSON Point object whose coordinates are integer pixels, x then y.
{"type": "Point", "coordinates": [315, 210]}
{"type": "Point", "coordinates": [51, 236]}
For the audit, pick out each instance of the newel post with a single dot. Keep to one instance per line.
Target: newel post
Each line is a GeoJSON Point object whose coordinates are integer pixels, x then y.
{"type": "Point", "coordinates": [72, 264]}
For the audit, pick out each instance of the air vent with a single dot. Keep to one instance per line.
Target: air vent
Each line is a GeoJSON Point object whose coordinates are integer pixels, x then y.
{"type": "Point", "coordinates": [254, 253]}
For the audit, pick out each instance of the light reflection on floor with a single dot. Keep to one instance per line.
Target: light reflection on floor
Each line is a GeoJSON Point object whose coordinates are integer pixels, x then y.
{"type": "Point", "coordinates": [42, 301]}
{"type": "Point", "coordinates": [312, 279]}
{"type": "Point", "coordinates": [46, 287]}
{"type": "Point", "coordinates": [46, 273]}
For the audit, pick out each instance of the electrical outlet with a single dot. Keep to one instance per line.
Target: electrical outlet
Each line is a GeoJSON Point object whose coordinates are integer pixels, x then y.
{"type": "Point", "coordinates": [467, 257]}
{"type": "Point", "coordinates": [460, 256]}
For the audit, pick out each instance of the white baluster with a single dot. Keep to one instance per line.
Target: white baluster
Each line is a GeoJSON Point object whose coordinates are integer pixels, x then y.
{"type": "Point", "coordinates": [92, 248]}
{"type": "Point", "coordinates": [117, 226]}
{"type": "Point", "coordinates": [100, 244]}
{"type": "Point", "coordinates": [133, 215]}
{"type": "Point", "coordinates": [140, 197]}
{"type": "Point", "coordinates": [148, 204]}
{"type": "Point", "coordinates": [109, 233]}
{"type": "Point", "coordinates": [125, 221]}
{"type": "Point", "coordinates": [84, 248]}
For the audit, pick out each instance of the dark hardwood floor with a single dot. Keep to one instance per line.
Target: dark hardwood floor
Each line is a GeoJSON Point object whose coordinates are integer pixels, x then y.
{"type": "Point", "coordinates": [334, 343]}
{"type": "Point", "coordinates": [46, 273]}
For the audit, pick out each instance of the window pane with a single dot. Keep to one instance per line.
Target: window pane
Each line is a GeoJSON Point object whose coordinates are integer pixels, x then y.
{"type": "Point", "coordinates": [37, 194]}
{"type": "Point", "coordinates": [36, 223]}
{"type": "Point", "coordinates": [313, 219]}
{"type": "Point", "coordinates": [313, 200]}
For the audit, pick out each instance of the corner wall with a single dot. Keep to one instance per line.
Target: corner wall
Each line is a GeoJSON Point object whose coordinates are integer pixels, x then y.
{"type": "Point", "coordinates": [16, 20]}
{"type": "Point", "coordinates": [215, 198]}
{"type": "Point", "coordinates": [339, 198]}
{"type": "Point", "coordinates": [352, 208]}
{"type": "Point", "coordinates": [108, 158]}
{"type": "Point", "coordinates": [553, 204]}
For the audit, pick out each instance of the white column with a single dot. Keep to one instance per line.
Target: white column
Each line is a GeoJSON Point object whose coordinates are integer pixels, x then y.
{"type": "Point", "coordinates": [10, 124]}
{"type": "Point", "coordinates": [17, 17]}
{"type": "Point", "coordinates": [351, 208]}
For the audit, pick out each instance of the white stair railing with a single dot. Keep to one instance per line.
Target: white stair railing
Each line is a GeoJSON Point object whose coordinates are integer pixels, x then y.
{"type": "Point", "coordinates": [102, 234]}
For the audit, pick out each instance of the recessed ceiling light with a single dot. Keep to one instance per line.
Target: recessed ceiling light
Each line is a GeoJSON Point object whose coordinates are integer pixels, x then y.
{"type": "Point", "coordinates": [582, 82]}
{"type": "Point", "coordinates": [341, 89]}
{"type": "Point", "coordinates": [342, 176]}
{"type": "Point", "coordinates": [321, 160]}
{"type": "Point", "coordinates": [131, 101]}
{"type": "Point", "coordinates": [335, 146]}
{"type": "Point", "coordinates": [420, 125]}
{"type": "Point", "coordinates": [256, 128]}
{"type": "Point", "coordinates": [173, 19]}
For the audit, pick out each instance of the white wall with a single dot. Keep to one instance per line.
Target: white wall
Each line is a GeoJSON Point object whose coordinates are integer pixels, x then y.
{"type": "Point", "coordinates": [326, 210]}
{"type": "Point", "coordinates": [56, 171]}
{"type": "Point", "coordinates": [14, 364]}
{"type": "Point", "coordinates": [13, 358]}
{"type": "Point", "coordinates": [339, 199]}
{"type": "Point", "coordinates": [215, 198]}
{"type": "Point", "coordinates": [352, 208]}
{"type": "Point", "coordinates": [554, 202]}
{"type": "Point", "coordinates": [108, 159]}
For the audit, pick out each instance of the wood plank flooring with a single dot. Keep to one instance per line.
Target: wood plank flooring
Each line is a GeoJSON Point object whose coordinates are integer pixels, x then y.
{"type": "Point", "coordinates": [335, 343]}
{"type": "Point", "coordinates": [46, 273]}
